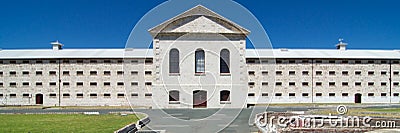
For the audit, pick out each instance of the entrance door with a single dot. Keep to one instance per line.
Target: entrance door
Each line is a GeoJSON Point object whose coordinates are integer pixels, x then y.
{"type": "Point", "coordinates": [357, 98]}
{"type": "Point", "coordinates": [199, 99]}
{"type": "Point", "coordinates": [39, 98]}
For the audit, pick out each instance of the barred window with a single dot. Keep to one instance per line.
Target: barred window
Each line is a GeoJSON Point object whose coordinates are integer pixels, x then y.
{"type": "Point", "coordinates": [199, 61]}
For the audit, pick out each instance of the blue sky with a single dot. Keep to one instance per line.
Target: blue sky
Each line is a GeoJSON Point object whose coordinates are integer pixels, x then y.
{"type": "Point", "coordinates": [364, 24]}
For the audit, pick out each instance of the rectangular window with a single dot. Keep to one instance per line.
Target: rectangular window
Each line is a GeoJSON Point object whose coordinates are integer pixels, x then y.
{"type": "Point", "coordinates": [107, 61]}
{"type": "Point", "coordinates": [147, 73]}
{"type": "Point", "coordinates": [278, 94]}
{"type": "Point", "coordinates": [134, 72]}
{"type": "Point", "coordinates": [39, 83]}
{"type": "Point", "coordinates": [93, 61]}
{"type": "Point", "coordinates": [395, 83]}
{"type": "Point", "coordinates": [107, 95]}
{"type": "Point", "coordinates": [251, 84]}
{"type": "Point", "coordinates": [148, 83]}
{"type": "Point", "coordinates": [264, 83]}
{"type": "Point", "coordinates": [292, 83]}
{"type": "Point", "coordinates": [264, 73]}
{"type": "Point", "coordinates": [383, 83]}
{"type": "Point", "coordinates": [53, 95]}
{"type": "Point", "coordinates": [93, 73]}
{"type": "Point", "coordinates": [318, 94]}
{"type": "Point", "coordinates": [252, 73]}
{"type": "Point", "coordinates": [345, 73]}
{"type": "Point", "coordinates": [93, 83]}
{"type": "Point", "coordinates": [13, 95]}
{"type": "Point", "coordinates": [318, 83]}
{"type": "Point", "coordinates": [292, 94]}
{"type": "Point", "coordinates": [278, 83]}
{"type": "Point", "coordinates": [292, 72]}
{"type": "Point", "coordinates": [66, 73]}
{"type": "Point", "coordinates": [396, 94]}
{"type": "Point", "coordinates": [331, 94]}
{"type": "Point", "coordinates": [332, 73]}
{"type": "Point", "coordinates": [107, 84]}
{"type": "Point", "coordinates": [383, 72]}
{"type": "Point", "coordinates": [134, 95]}
{"type": "Point", "coordinates": [25, 72]}
{"type": "Point", "coordinates": [251, 94]}
{"type": "Point", "coordinates": [148, 61]}
{"type": "Point", "coordinates": [371, 73]}
{"type": "Point", "coordinates": [357, 72]}
{"type": "Point", "coordinates": [371, 62]}
{"type": "Point", "coordinates": [148, 95]}
{"type": "Point", "coordinates": [93, 95]}
{"type": "Point", "coordinates": [79, 95]}
{"type": "Point", "coordinates": [79, 83]}
{"type": "Point", "coordinates": [13, 84]}
{"type": "Point", "coordinates": [319, 73]}
{"type": "Point", "coordinates": [39, 73]}
{"type": "Point", "coordinates": [1, 84]}
{"type": "Point", "coordinates": [278, 72]}
{"type": "Point", "coordinates": [345, 94]}
{"type": "Point", "coordinates": [66, 95]}
{"type": "Point", "coordinates": [383, 94]}
{"type": "Point", "coordinates": [25, 83]}
{"type": "Point", "coordinates": [371, 83]}
{"type": "Point", "coordinates": [332, 61]}
{"type": "Point", "coordinates": [120, 95]}
{"type": "Point", "coordinates": [107, 73]}
{"type": "Point", "coordinates": [357, 83]}
{"type": "Point", "coordinates": [370, 94]}
{"type": "Point", "coordinates": [52, 83]}
{"type": "Point", "coordinates": [134, 83]}
{"type": "Point", "coordinates": [395, 72]}
{"type": "Point", "coordinates": [1, 95]}
{"type": "Point", "coordinates": [65, 83]}
{"type": "Point", "coordinates": [52, 73]}
{"type": "Point", "coordinates": [1, 73]}
{"type": "Point", "coordinates": [305, 83]}
{"type": "Point", "coordinates": [332, 83]}
{"type": "Point", "coordinates": [79, 73]}
{"type": "Point", "coordinates": [345, 61]}
{"type": "Point", "coordinates": [304, 94]}
{"type": "Point", "coordinates": [120, 83]}
{"type": "Point", "coordinates": [264, 94]}
{"type": "Point", "coordinates": [345, 83]}
{"type": "Point", "coordinates": [120, 72]}
{"type": "Point", "coordinates": [13, 73]}
{"type": "Point", "coordinates": [305, 72]}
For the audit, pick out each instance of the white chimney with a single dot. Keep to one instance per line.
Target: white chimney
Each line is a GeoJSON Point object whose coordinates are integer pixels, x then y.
{"type": "Point", "coordinates": [56, 45]}
{"type": "Point", "coordinates": [341, 45]}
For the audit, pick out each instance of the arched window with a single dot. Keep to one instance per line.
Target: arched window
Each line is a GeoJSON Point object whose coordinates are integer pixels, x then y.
{"type": "Point", "coordinates": [199, 61]}
{"type": "Point", "coordinates": [224, 61]}
{"type": "Point", "coordinates": [174, 61]}
{"type": "Point", "coordinates": [174, 96]}
{"type": "Point", "coordinates": [224, 96]}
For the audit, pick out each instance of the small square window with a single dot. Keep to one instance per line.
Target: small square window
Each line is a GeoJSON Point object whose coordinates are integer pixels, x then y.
{"type": "Point", "coordinates": [53, 95]}
{"type": "Point", "coordinates": [395, 72]}
{"type": "Point", "coordinates": [345, 61]}
{"type": "Point", "coordinates": [252, 73]}
{"type": "Point", "coordinates": [66, 95]}
{"type": "Point", "coordinates": [318, 94]}
{"type": "Point", "coordinates": [383, 72]}
{"type": "Point", "coordinates": [358, 61]}
{"type": "Point", "coordinates": [396, 94]}
{"type": "Point", "coordinates": [331, 94]}
{"type": "Point", "coordinates": [148, 61]}
{"type": "Point", "coordinates": [65, 83]}
{"type": "Point", "coordinates": [370, 94]}
{"type": "Point", "coordinates": [383, 94]}
{"type": "Point", "coordinates": [107, 61]}
{"type": "Point", "coordinates": [332, 61]}
{"type": "Point", "coordinates": [147, 72]}
{"type": "Point", "coordinates": [251, 84]}
{"type": "Point", "coordinates": [395, 83]}
{"type": "Point", "coordinates": [25, 95]}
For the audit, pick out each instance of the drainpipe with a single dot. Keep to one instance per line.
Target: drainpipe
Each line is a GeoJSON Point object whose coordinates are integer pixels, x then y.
{"type": "Point", "coordinates": [312, 81]}
{"type": "Point", "coordinates": [59, 82]}
{"type": "Point", "coordinates": [390, 81]}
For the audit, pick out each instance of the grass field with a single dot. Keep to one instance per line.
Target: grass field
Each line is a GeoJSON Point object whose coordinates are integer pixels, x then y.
{"type": "Point", "coordinates": [38, 123]}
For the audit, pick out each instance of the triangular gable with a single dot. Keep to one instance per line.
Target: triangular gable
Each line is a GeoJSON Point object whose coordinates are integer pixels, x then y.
{"type": "Point", "coordinates": [188, 21]}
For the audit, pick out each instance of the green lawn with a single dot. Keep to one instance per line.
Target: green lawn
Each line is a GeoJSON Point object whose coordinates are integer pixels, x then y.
{"type": "Point", "coordinates": [36, 123]}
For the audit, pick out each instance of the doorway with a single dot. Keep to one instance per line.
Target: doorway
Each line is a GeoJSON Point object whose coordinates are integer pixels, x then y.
{"type": "Point", "coordinates": [199, 99]}
{"type": "Point", "coordinates": [357, 98]}
{"type": "Point", "coordinates": [39, 98]}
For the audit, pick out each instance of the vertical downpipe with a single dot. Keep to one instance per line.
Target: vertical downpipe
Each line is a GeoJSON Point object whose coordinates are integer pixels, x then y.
{"type": "Point", "coordinates": [390, 81]}
{"type": "Point", "coordinates": [59, 82]}
{"type": "Point", "coordinates": [312, 80]}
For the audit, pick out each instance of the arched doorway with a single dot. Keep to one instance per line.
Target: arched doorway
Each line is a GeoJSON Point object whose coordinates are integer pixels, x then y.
{"type": "Point", "coordinates": [357, 98]}
{"type": "Point", "coordinates": [39, 98]}
{"type": "Point", "coordinates": [199, 99]}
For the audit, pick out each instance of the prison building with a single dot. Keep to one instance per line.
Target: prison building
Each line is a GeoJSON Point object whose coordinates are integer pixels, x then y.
{"type": "Point", "coordinates": [199, 59]}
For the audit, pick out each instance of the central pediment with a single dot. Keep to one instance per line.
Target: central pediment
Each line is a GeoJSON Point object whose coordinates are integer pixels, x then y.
{"type": "Point", "coordinates": [198, 20]}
